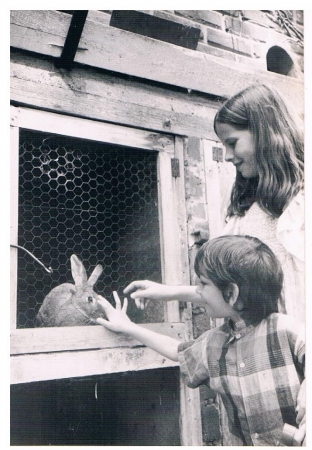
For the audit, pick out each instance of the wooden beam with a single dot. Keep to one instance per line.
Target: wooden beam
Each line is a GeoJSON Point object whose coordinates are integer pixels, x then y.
{"type": "Point", "coordinates": [191, 431]}
{"type": "Point", "coordinates": [190, 412]}
{"type": "Point", "coordinates": [53, 366]}
{"type": "Point", "coordinates": [96, 95]}
{"type": "Point", "coordinates": [39, 340]}
{"type": "Point", "coordinates": [80, 128]}
{"type": "Point", "coordinates": [179, 195]}
{"type": "Point", "coordinates": [156, 27]}
{"type": "Point", "coordinates": [128, 53]}
{"type": "Point", "coordinates": [14, 153]}
{"type": "Point", "coordinates": [219, 178]}
{"type": "Point", "coordinates": [168, 232]}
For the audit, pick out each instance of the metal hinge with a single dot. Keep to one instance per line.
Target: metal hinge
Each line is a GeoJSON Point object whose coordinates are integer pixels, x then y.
{"type": "Point", "coordinates": [217, 154]}
{"type": "Point", "coordinates": [175, 167]}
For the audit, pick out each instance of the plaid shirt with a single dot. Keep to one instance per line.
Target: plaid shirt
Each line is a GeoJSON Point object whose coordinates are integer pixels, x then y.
{"type": "Point", "coordinates": [256, 370]}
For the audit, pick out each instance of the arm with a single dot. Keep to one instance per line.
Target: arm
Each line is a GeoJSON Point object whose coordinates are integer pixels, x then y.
{"type": "Point", "coordinates": [142, 291]}
{"type": "Point", "coordinates": [119, 322]}
{"type": "Point", "coordinates": [296, 338]}
{"type": "Point", "coordinates": [299, 436]}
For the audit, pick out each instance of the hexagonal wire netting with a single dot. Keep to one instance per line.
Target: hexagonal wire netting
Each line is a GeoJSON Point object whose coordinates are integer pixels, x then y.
{"type": "Point", "coordinates": [98, 201]}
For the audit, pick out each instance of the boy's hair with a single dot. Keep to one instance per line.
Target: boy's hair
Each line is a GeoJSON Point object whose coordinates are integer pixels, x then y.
{"type": "Point", "coordinates": [279, 144]}
{"type": "Point", "coordinates": [247, 262]}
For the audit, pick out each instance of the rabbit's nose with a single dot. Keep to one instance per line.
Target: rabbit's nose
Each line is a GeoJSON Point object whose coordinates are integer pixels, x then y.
{"type": "Point", "coordinates": [90, 299]}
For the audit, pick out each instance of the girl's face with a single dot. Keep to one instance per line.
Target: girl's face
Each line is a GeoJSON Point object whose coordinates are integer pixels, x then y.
{"type": "Point", "coordinates": [215, 304]}
{"type": "Point", "coordinates": [240, 148]}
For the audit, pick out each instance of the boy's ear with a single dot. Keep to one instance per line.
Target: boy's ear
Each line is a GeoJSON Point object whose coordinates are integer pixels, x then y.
{"type": "Point", "coordinates": [232, 293]}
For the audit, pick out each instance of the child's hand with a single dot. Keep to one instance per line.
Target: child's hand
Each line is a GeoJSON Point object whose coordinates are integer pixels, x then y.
{"type": "Point", "coordinates": [118, 320]}
{"type": "Point", "coordinates": [144, 290]}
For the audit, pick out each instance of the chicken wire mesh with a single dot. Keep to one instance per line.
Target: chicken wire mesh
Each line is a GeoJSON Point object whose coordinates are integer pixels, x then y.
{"type": "Point", "coordinates": [98, 201]}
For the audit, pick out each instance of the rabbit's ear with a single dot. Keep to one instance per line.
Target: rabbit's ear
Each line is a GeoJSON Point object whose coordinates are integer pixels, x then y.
{"type": "Point", "coordinates": [95, 275]}
{"type": "Point", "coordinates": [78, 271]}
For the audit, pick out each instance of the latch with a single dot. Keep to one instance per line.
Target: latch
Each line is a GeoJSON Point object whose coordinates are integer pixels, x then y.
{"type": "Point", "coordinates": [175, 167]}
{"type": "Point", "coordinates": [217, 154]}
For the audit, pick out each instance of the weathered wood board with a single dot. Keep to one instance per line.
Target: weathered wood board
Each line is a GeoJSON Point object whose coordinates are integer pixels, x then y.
{"type": "Point", "coordinates": [53, 366]}
{"type": "Point", "coordinates": [39, 340]}
{"type": "Point", "coordinates": [101, 96]}
{"type": "Point", "coordinates": [120, 51]}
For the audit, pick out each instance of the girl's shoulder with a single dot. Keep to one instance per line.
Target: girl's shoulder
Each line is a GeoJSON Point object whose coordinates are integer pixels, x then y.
{"type": "Point", "coordinates": [256, 222]}
{"type": "Point", "coordinates": [279, 323]}
{"type": "Point", "coordinates": [290, 227]}
{"type": "Point", "coordinates": [295, 206]}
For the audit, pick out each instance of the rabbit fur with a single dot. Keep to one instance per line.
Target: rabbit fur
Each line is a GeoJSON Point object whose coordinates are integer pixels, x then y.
{"type": "Point", "coordinates": [72, 304]}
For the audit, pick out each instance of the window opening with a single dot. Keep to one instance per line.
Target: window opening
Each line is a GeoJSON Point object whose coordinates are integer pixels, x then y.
{"type": "Point", "coordinates": [96, 200]}
{"type": "Point", "coordinates": [279, 61]}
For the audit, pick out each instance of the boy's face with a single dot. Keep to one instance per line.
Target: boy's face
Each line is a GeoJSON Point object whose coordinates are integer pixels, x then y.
{"type": "Point", "coordinates": [215, 305]}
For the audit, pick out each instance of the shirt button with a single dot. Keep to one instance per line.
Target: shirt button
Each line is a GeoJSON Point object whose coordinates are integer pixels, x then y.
{"type": "Point", "coordinates": [256, 435]}
{"type": "Point", "coordinates": [242, 365]}
{"type": "Point", "coordinates": [238, 336]}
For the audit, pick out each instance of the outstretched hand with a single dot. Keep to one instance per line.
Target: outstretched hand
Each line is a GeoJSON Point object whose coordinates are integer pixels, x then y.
{"type": "Point", "coordinates": [142, 291]}
{"type": "Point", "coordinates": [118, 320]}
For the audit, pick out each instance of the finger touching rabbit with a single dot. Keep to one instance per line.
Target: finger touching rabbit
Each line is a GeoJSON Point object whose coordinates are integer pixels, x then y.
{"type": "Point", "coordinates": [72, 304]}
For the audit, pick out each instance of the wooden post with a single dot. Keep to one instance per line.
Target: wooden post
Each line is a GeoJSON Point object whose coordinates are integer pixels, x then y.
{"type": "Point", "coordinates": [14, 221]}
{"type": "Point", "coordinates": [190, 413]}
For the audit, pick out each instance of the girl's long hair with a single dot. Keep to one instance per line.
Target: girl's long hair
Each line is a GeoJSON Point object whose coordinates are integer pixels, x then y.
{"type": "Point", "coordinates": [279, 144]}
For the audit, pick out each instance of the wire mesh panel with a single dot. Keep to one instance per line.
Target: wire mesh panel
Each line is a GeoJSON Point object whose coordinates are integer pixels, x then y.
{"type": "Point", "coordinates": [97, 201]}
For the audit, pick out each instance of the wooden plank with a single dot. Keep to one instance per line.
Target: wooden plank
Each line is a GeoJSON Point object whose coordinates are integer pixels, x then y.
{"type": "Point", "coordinates": [191, 430]}
{"type": "Point", "coordinates": [87, 129]}
{"type": "Point", "coordinates": [44, 31]}
{"type": "Point", "coordinates": [14, 137]}
{"type": "Point", "coordinates": [53, 366]}
{"type": "Point", "coordinates": [128, 53]}
{"type": "Point", "coordinates": [190, 414]}
{"type": "Point", "coordinates": [138, 22]}
{"type": "Point", "coordinates": [168, 233]}
{"type": "Point", "coordinates": [39, 340]}
{"type": "Point", "coordinates": [219, 179]}
{"type": "Point", "coordinates": [179, 199]}
{"type": "Point", "coordinates": [179, 266]}
{"type": "Point", "coordinates": [212, 190]}
{"type": "Point", "coordinates": [100, 96]}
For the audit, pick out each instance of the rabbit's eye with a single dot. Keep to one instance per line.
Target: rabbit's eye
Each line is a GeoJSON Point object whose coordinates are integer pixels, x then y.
{"type": "Point", "coordinates": [90, 299]}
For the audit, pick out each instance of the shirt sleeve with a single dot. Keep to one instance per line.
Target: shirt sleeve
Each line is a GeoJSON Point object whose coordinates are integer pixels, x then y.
{"type": "Point", "coordinates": [290, 227]}
{"type": "Point", "coordinates": [192, 357]}
{"type": "Point", "coordinates": [296, 338]}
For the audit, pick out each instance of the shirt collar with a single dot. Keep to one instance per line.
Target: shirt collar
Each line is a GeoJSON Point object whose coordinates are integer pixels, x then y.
{"type": "Point", "coordinates": [238, 329]}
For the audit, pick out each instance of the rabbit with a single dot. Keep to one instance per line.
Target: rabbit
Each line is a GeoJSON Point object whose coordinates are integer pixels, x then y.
{"type": "Point", "coordinates": [72, 305]}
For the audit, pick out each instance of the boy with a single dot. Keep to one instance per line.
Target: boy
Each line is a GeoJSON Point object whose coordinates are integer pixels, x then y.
{"type": "Point", "coordinates": [255, 360]}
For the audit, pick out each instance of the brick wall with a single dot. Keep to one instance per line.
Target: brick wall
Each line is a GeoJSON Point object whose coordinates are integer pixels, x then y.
{"type": "Point", "coordinates": [258, 39]}
{"type": "Point", "coordinates": [245, 36]}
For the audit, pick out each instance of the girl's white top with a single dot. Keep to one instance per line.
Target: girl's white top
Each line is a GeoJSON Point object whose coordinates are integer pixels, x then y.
{"type": "Point", "coordinates": [285, 236]}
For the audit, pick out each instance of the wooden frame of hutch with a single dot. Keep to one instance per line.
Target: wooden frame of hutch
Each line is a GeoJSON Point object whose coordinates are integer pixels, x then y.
{"type": "Point", "coordinates": [39, 354]}
{"type": "Point", "coordinates": [132, 90]}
